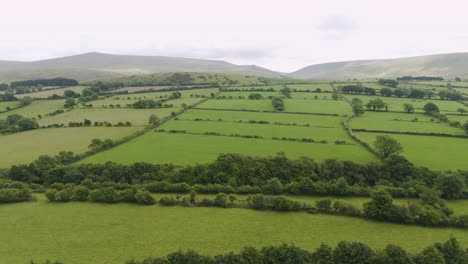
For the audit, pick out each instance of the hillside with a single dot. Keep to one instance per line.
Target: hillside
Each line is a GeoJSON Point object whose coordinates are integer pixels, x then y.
{"type": "Point", "coordinates": [443, 65]}
{"type": "Point", "coordinates": [90, 66]}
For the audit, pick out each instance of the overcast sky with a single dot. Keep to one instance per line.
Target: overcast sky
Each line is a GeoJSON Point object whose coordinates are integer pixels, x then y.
{"type": "Point", "coordinates": [280, 35]}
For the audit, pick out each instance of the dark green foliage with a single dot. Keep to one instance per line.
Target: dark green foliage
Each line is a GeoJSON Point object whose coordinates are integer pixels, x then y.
{"type": "Point", "coordinates": [388, 82]}
{"type": "Point", "coordinates": [352, 253]}
{"type": "Point", "coordinates": [14, 195]}
{"type": "Point", "coordinates": [431, 108]}
{"type": "Point", "coordinates": [255, 96]}
{"type": "Point", "coordinates": [278, 104]}
{"type": "Point", "coordinates": [105, 195]}
{"type": "Point", "coordinates": [45, 82]}
{"type": "Point", "coordinates": [385, 146]}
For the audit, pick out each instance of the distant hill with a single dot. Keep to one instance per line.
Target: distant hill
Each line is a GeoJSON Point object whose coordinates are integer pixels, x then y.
{"type": "Point", "coordinates": [441, 65]}
{"type": "Point", "coordinates": [91, 66]}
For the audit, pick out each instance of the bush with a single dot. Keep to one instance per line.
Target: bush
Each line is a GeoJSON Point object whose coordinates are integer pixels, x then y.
{"type": "Point", "coordinates": [220, 200]}
{"type": "Point", "coordinates": [11, 195]}
{"type": "Point", "coordinates": [80, 193]}
{"type": "Point", "coordinates": [168, 200]}
{"type": "Point", "coordinates": [105, 195]}
{"type": "Point", "coordinates": [144, 197]}
{"type": "Point", "coordinates": [324, 205]}
{"type": "Point", "coordinates": [256, 201]}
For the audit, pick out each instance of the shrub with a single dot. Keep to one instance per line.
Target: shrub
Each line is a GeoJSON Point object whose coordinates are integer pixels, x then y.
{"type": "Point", "coordinates": [168, 201]}
{"type": "Point", "coordinates": [144, 197]}
{"type": "Point", "coordinates": [80, 193]}
{"type": "Point", "coordinates": [105, 195]}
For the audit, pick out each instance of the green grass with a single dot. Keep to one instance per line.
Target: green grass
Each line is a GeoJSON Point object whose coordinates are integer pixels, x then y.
{"type": "Point", "coordinates": [439, 153]}
{"type": "Point", "coordinates": [98, 233]}
{"type": "Point", "coordinates": [313, 120]}
{"type": "Point", "coordinates": [50, 92]}
{"type": "Point", "coordinates": [396, 104]}
{"type": "Point", "coordinates": [5, 105]}
{"type": "Point", "coordinates": [27, 146]}
{"type": "Point", "coordinates": [235, 95]}
{"type": "Point", "coordinates": [261, 105]}
{"type": "Point", "coordinates": [36, 108]}
{"type": "Point", "coordinates": [137, 117]}
{"type": "Point", "coordinates": [403, 123]}
{"type": "Point", "coordinates": [330, 134]}
{"type": "Point", "coordinates": [190, 149]}
{"type": "Point", "coordinates": [311, 87]}
{"type": "Point", "coordinates": [317, 106]}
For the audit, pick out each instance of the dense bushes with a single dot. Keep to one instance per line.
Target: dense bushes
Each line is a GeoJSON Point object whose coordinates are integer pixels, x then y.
{"type": "Point", "coordinates": [14, 195]}
{"type": "Point", "coordinates": [62, 193]}
{"type": "Point", "coordinates": [45, 82]}
{"type": "Point", "coordinates": [344, 253]}
{"type": "Point", "coordinates": [278, 104]}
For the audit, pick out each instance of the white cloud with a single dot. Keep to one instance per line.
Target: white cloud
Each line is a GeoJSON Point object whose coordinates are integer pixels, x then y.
{"type": "Point", "coordinates": [282, 35]}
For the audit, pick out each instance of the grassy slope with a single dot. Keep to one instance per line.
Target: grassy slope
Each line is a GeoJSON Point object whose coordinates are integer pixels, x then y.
{"type": "Point", "coordinates": [439, 153]}
{"type": "Point", "coordinates": [25, 147]}
{"type": "Point", "coordinates": [50, 92]}
{"type": "Point", "coordinates": [4, 105]}
{"type": "Point", "coordinates": [94, 233]}
{"type": "Point", "coordinates": [190, 149]}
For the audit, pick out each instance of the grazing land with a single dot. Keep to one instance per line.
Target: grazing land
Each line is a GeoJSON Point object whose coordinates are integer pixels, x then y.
{"type": "Point", "coordinates": [50, 92]}
{"type": "Point", "coordinates": [37, 108]}
{"type": "Point", "coordinates": [97, 233]}
{"type": "Point", "coordinates": [24, 147]}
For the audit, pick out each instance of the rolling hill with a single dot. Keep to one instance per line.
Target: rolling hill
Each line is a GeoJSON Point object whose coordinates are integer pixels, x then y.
{"type": "Point", "coordinates": [90, 66]}
{"type": "Point", "coordinates": [440, 65]}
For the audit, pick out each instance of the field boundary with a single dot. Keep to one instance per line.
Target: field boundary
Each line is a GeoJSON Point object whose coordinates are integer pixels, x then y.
{"type": "Point", "coordinates": [264, 111]}
{"type": "Point", "coordinates": [408, 133]}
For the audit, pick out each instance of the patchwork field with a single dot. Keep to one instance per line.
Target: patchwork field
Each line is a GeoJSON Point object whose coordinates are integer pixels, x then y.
{"type": "Point", "coordinates": [97, 233]}
{"type": "Point", "coordinates": [402, 122]}
{"type": "Point", "coordinates": [137, 117]}
{"type": "Point", "coordinates": [440, 153]}
{"type": "Point", "coordinates": [37, 108]}
{"type": "Point", "coordinates": [50, 92]}
{"type": "Point", "coordinates": [27, 146]}
{"type": "Point", "coordinates": [168, 148]}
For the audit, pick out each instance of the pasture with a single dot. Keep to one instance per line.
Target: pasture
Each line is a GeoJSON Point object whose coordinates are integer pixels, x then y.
{"type": "Point", "coordinates": [438, 153]}
{"type": "Point", "coordinates": [103, 233]}
{"type": "Point", "coordinates": [37, 108]}
{"type": "Point", "coordinates": [49, 92]}
{"type": "Point", "coordinates": [402, 122]}
{"type": "Point", "coordinates": [8, 105]}
{"type": "Point", "coordinates": [25, 147]}
{"type": "Point", "coordinates": [138, 117]}
{"type": "Point", "coordinates": [183, 149]}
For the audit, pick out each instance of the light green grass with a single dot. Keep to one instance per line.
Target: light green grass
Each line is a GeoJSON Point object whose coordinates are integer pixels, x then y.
{"type": "Point", "coordinates": [403, 123]}
{"type": "Point", "coordinates": [36, 108]}
{"type": "Point", "coordinates": [50, 92]}
{"type": "Point", "coordinates": [317, 106]}
{"type": "Point", "coordinates": [235, 95]}
{"type": "Point", "coordinates": [440, 153]}
{"type": "Point", "coordinates": [267, 131]}
{"type": "Point", "coordinates": [27, 146]}
{"type": "Point", "coordinates": [310, 87]}
{"type": "Point", "coordinates": [313, 120]}
{"type": "Point", "coordinates": [262, 105]}
{"type": "Point", "coordinates": [396, 104]}
{"type": "Point", "coordinates": [190, 149]}
{"type": "Point", "coordinates": [5, 105]}
{"type": "Point", "coordinates": [78, 233]}
{"type": "Point", "coordinates": [137, 117]}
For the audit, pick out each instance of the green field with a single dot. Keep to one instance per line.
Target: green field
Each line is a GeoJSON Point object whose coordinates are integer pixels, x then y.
{"type": "Point", "coordinates": [440, 153]}
{"type": "Point", "coordinates": [259, 105]}
{"type": "Point", "coordinates": [235, 95]}
{"type": "Point", "coordinates": [5, 105]}
{"type": "Point", "coordinates": [234, 116]}
{"type": "Point", "coordinates": [36, 108]}
{"type": "Point", "coordinates": [310, 87]}
{"type": "Point", "coordinates": [403, 123]}
{"type": "Point", "coordinates": [190, 149]}
{"type": "Point", "coordinates": [78, 233]}
{"type": "Point", "coordinates": [330, 134]}
{"type": "Point", "coordinates": [27, 146]}
{"type": "Point", "coordinates": [50, 92]}
{"type": "Point", "coordinates": [137, 117]}
{"type": "Point", "coordinates": [396, 104]}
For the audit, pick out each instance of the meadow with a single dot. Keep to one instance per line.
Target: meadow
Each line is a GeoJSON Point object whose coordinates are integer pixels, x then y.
{"type": "Point", "coordinates": [403, 122]}
{"type": "Point", "coordinates": [439, 153]}
{"type": "Point", "coordinates": [25, 147]}
{"type": "Point", "coordinates": [5, 105]}
{"type": "Point", "coordinates": [49, 92]}
{"type": "Point", "coordinates": [184, 149]}
{"type": "Point", "coordinates": [267, 131]}
{"type": "Point", "coordinates": [102, 233]}
{"type": "Point", "coordinates": [138, 117]}
{"type": "Point", "coordinates": [37, 108]}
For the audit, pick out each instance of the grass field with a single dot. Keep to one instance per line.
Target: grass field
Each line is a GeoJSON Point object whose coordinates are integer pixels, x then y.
{"type": "Point", "coordinates": [50, 92]}
{"type": "Point", "coordinates": [236, 94]}
{"type": "Point", "coordinates": [137, 117]}
{"type": "Point", "coordinates": [440, 153]}
{"type": "Point", "coordinates": [78, 233]}
{"type": "Point", "coordinates": [25, 147]}
{"type": "Point", "coordinates": [5, 105]}
{"type": "Point", "coordinates": [261, 105]}
{"type": "Point", "coordinates": [190, 149]}
{"type": "Point", "coordinates": [310, 87]}
{"type": "Point", "coordinates": [313, 120]}
{"type": "Point", "coordinates": [36, 108]}
{"type": "Point", "coordinates": [330, 134]}
{"type": "Point", "coordinates": [396, 104]}
{"type": "Point", "coordinates": [403, 123]}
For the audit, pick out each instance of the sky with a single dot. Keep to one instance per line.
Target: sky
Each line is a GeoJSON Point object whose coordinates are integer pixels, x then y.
{"type": "Point", "coordinates": [279, 35]}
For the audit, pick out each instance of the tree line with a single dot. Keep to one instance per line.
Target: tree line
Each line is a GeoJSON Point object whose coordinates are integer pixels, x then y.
{"type": "Point", "coordinates": [45, 82]}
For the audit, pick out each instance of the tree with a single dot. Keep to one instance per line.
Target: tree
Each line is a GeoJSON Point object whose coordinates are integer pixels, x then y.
{"type": "Point", "coordinates": [451, 186]}
{"type": "Point", "coordinates": [26, 101]}
{"type": "Point", "coordinates": [255, 96]}
{"type": "Point", "coordinates": [388, 82]}
{"type": "Point", "coordinates": [457, 79]}
{"type": "Point", "coordinates": [387, 92]}
{"type": "Point", "coordinates": [409, 108]}
{"type": "Point", "coordinates": [69, 93]}
{"type": "Point", "coordinates": [380, 205]}
{"type": "Point", "coordinates": [278, 104]}
{"type": "Point", "coordinates": [286, 91]}
{"type": "Point", "coordinates": [399, 92]}
{"type": "Point", "coordinates": [154, 120]}
{"type": "Point", "coordinates": [430, 255]}
{"type": "Point", "coordinates": [465, 127]}
{"type": "Point", "coordinates": [358, 108]}
{"type": "Point", "coordinates": [385, 146]}
{"type": "Point", "coordinates": [27, 124]}
{"type": "Point", "coordinates": [376, 104]}
{"type": "Point", "coordinates": [69, 103]}
{"type": "Point", "coordinates": [335, 96]}
{"type": "Point", "coordinates": [431, 108]}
